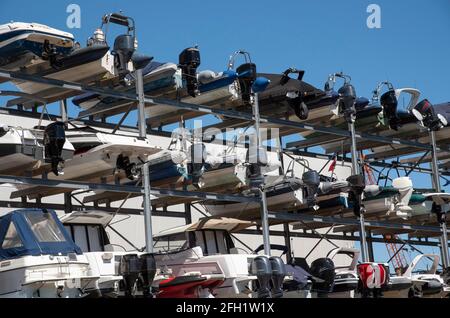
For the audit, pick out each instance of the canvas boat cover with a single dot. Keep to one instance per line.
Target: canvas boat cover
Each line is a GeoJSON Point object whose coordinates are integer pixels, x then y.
{"type": "Point", "coordinates": [34, 232]}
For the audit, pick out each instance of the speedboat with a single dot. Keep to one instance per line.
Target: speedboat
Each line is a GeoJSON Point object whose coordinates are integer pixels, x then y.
{"type": "Point", "coordinates": [120, 273]}
{"type": "Point", "coordinates": [24, 44]}
{"type": "Point", "coordinates": [426, 282]}
{"type": "Point", "coordinates": [207, 247]}
{"type": "Point", "coordinates": [346, 279]}
{"type": "Point", "coordinates": [27, 150]}
{"type": "Point", "coordinates": [171, 81]}
{"type": "Point", "coordinates": [98, 155]}
{"type": "Point", "coordinates": [94, 63]}
{"type": "Point", "coordinates": [38, 258]}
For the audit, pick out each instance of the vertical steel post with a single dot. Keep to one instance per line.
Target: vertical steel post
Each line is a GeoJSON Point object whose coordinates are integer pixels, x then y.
{"type": "Point", "coordinates": [356, 170]}
{"type": "Point", "coordinates": [145, 167]}
{"type": "Point", "coordinates": [437, 186]}
{"type": "Point", "coordinates": [264, 213]}
{"type": "Point", "coordinates": [63, 111]}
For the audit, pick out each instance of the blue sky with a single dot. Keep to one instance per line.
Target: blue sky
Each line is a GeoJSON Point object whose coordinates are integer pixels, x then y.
{"type": "Point", "coordinates": [412, 48]}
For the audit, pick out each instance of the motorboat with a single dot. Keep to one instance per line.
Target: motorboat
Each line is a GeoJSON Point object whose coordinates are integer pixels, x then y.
{"type": "Point", "coordinates": [38, 258]}
{"type": "Point", "coordinates": [24, 44]}
{"type": "Point", "coordinates": [207, 247]}
{"type": "Point", "coordinates": [176, 81]}
{"type": "Point", "coordinates": [427, 283]}
{"type": "Point", "coordinates": [346, 280]}
{"type": "Point", "coordinates": [120, 273]}
{"type": "Point", "coordinates": [98, 155]}
{"type": "Point", "coordinates": [26, 150]}
{"type": "Point", "coordinates": [190, 285]}
{"type": "Point", "coordinates": [94, 63]}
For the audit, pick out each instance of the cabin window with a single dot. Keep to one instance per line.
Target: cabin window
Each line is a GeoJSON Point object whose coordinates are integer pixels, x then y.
{"type": "Point", "coordinates": [211, 242]}
{"type": "Point", "coordinates": [11, 239]}
{"type": "Point", "coordinates": [44, 227]}
{"type": "Point", "coordinates": [171, 243]}
{"type": "Point", "coordinates": [89, 238]}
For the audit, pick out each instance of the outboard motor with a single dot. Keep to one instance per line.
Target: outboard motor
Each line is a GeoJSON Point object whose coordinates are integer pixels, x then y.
{"type": "Point", "coordinates": [311, 179]}
{"type": "Point", "coordinates": [324, 270]}
{"type": "Point", "coordinates": [389, 102]}
{"type": "Point", "coordinates": [373, 278]}
{"type": "Point", "coordinates": [357, 185]}
{"type": "Point", "coordinates": [123, 51]}
{"type": "Point", "coordinates": [196, 166]}
{"type": "Point", "coordinates": [295, 99]}
{"type": "Point", "coordinates": [261, 268]}
{"type": "Point", "coordinates": [54, 139]}
{"type": "Point", "coordinates": [278, 274]}
{"type": "Point", "coordinates": [148, 272]}
{"type": "Point", "coordinates": [131, 170]}
{"type": "Point", "coordinates": [256, 160]}
{"type": "Point", "coordinates": [424, 112]}
{"type": "Point", "coordinates": [347, 99]}
{"type": "Point", "coordinates": [130, 267]}
{"type": "Point", "coordinates": [189, 61]}
{"type": "Point", "coordinates": [247, 75]}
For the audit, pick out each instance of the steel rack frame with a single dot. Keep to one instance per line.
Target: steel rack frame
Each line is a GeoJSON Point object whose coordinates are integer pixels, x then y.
{"type": "Point", "coordinates": [140, 101]}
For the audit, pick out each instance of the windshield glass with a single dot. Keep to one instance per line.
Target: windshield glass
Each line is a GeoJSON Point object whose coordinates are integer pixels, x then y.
{"type": "Point", "coordinates": [44, 227]}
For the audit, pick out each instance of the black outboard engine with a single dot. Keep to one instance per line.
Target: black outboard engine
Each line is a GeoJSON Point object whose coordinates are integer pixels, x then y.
{"type": "Point", "coordinates": [247, 75]}
{"type": "Point", "coordinates": [347, 99]}
{"type": "Point", "coordinates": [278, 274]}
{"type": "Point", "coordinates": [196, 166]}
{"type": "Point", "coordinates": [324, 270]}
{"type": "Point", "coordinates": [254, 172]}
{"type": "Point", "coordinates": [189, 61]}
{"type": "Point", "coordinates": [295, 99]}
{"type": "Point", "coordinates": [130, 267]}
{"type": "Point", "coordinates": [131, 170]}
{"type": "Point", "coordinates": [262, 269]}
{"type": "Point", "coordinates": [123, 51]}
{"type": "Point", "coordinates": [357, 185]}
{"type": "Point", "coordinates": [389, 102]}
{"type": "Point", "coordinates": [148, 272]}
{"type": "Point", "coordinates": [311, 179]}
{"type": "Point", "coordinates": [424, 112]}
{"type": "Point", "coordinates": [54, 139]}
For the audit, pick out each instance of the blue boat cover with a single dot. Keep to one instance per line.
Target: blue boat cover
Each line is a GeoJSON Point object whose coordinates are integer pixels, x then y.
{"type": "Point", "coordinates": [34, 232]}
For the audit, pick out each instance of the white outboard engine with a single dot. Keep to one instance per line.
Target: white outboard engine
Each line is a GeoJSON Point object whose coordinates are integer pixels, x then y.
{"type": "Point", "coordinates": [261, 268]}
{"type": "Point", "coordinates": [189, 61]}
{"type": "Point", "coordinates": [278, 274]}
{"type": "Point", "coordinates": [311, 179]}
{"type": "Point", "coordinates": [54, 139]}
{"type": "Point", "coordinates": [404, 186]}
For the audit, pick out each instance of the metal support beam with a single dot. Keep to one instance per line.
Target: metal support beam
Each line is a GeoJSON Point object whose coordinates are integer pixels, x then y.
{"type": "Point", "coordinates": [437, 186]}
{"type": "Point", "coordinates": [356, 171]}
{"type": "Point", "coordinates": [370, 249]}
{"type": "Point", "coordinates": [287, 242]}
{"type": "Point", "coordinates": [142, 125]}
{"type": "Point", "coordinates": [262, 191]}
{"type": "Point", "coordinates": [205, 109]}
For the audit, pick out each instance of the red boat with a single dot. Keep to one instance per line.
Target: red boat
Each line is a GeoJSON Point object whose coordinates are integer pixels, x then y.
{"type": "Point", "coordinates": [189, 286]}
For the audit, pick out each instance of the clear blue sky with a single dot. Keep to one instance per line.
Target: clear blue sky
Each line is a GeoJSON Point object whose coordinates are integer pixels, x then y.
{"type": "Point", "coordinates": [412, 48]}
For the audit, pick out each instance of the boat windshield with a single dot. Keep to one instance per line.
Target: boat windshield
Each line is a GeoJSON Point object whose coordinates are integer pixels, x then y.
{"type": "Point", "coordinates": [44, 227]}
{"type": "Point", "coordinates": [170, 243]}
